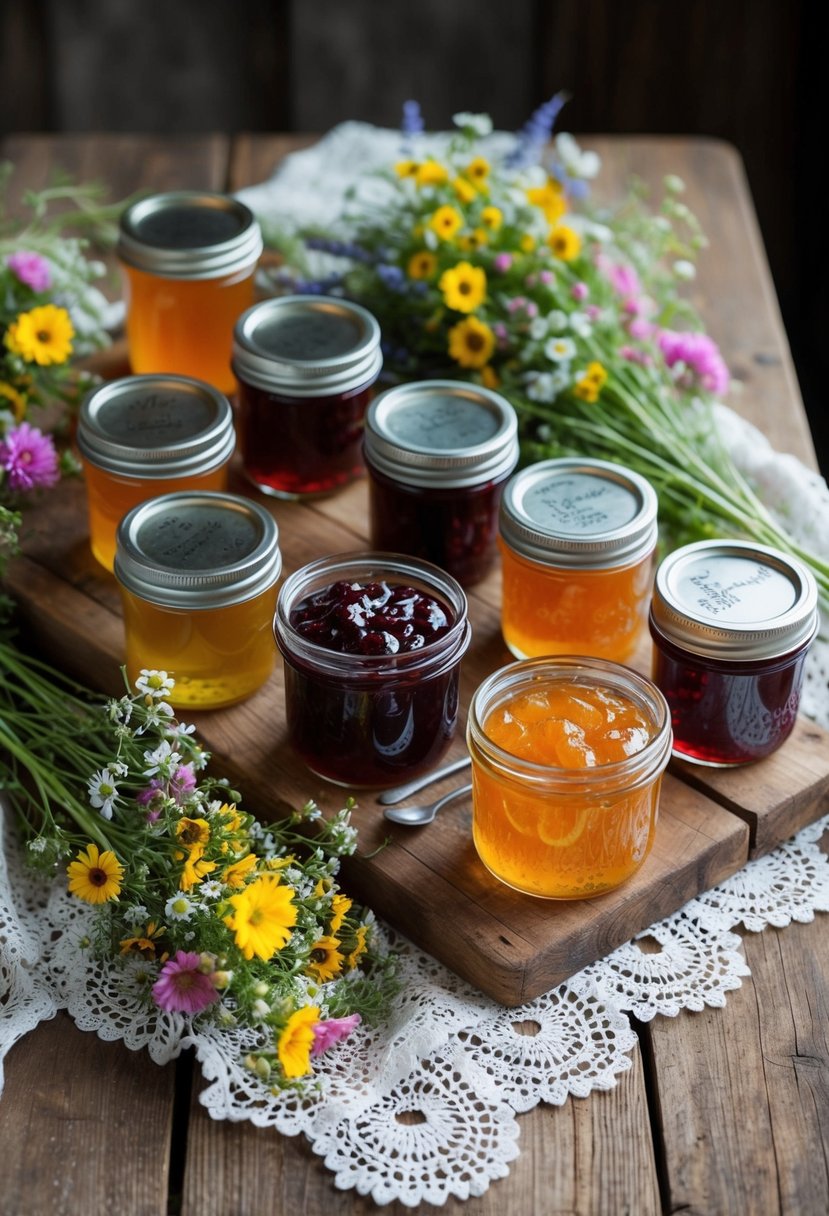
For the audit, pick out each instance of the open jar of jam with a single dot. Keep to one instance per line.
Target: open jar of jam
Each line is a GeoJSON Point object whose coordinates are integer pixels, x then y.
{"type": "Point", "coordinates": [188, 258]}
{"type": "Point", "coordinates": [577, 540]}
{"type": "Point", "coordinates": [731, 623]}
{"type": "Point", "coordinates": [148, 435]}
{"type": "Point", "coordinates": [198, 574]}
{"type": "Point", "coordinates": [372, 644]}
{"type": "Point", "coordinates": [305, 367]}
{"type": "Point", "coordinates": [438, 454]}
{"type": "Point", "coordinates": [567, 760]}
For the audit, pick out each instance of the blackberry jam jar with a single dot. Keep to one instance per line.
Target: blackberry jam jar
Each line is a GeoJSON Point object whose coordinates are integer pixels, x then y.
{"type": "Point", "coordinates": [731, 623]}
{"type": "Point", "coordinates": [438, 454]}
{"type": "Point", "coordinates": [305, 367]}
{"type": "Point", "coordinates": [143, 436]}
{"type": "Point", "coordinates": [371, 644]}
{"type": "Point", "coordinates": [188, 258]}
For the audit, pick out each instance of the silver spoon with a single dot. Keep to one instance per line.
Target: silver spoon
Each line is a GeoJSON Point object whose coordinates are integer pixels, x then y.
{"type": "Point", "coordinates": [411, 787]}
{"type": "Point", "coordinates": [416, 816]}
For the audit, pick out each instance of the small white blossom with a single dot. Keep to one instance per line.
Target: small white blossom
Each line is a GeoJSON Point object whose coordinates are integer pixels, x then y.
{"type": "Point", "coordinates": [560, 350]}
{"type": "Point", "coordinates": [162, 760]}
{"type": "Point", "coordinates": [211, 889]}
{"type": "Point", "coordinates": [103, 792]}
{"type": "Point", "coordinates": [155, 684]}
{"type": "Point", "coordinates": [576, 162]}
{"type": "Point", "coordinates": [38, 845]}
{"type": "Point", "coordinates": [556, 321]}
{"type": "Point", "coordinates": [685, 270]}
{"type": "Point", "coordinates": [478, 124]}
{"type": "Point", "coordinates": [580, 324]}
{"type": "Point", "coordinates": [179, 907]}
{"type": "Point", "coordinates": [539, 328]}
{"type": "Point", "coordinates": [673, 183]}
{"type": "Point", "coordinates": [135, 915]}
{"type": "Point", "coordinates": [260, 1010]}
{"type": "Point", "coordinates": [155, 715]}
{"type": "Point", "coordinates": [430, 238]}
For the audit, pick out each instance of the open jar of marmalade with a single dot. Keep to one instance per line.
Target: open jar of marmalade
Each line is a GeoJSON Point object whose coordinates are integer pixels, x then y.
{"type": "Point", "coordinates": [188, 258]}
{"type": "Point", "coordinates": [731, 623]}
{"type": "Point", "coordinates": [438, 454]}
{"type": "Point", "coordinates": [198, 574]}
{"type": "Point", "coordinates": [148, 435]}
{"type": "Point", "coordinates": [305, 367]}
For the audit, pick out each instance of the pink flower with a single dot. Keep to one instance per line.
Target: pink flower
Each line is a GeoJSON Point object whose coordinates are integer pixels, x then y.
{"type": "Point", "coordinates": [327, 1033]}
{"type": "Point", "coordinates": [182, 782]}
{"type": "Point", "coordinates": [640, 329]}
{"type": "Point", "coordinates": [623, 279]}
{"type": "Point", "coordinates": [181, 987]}
{"type": "Point", "coordinates": [547, 278]}
{"type": "Point", "coordinates": [502, 262]}
{"type": "Point", "coordinates": [702, 364]}
{"type": "Point", "coordinates": [593, 311]}
{"type": "Point", "coordinates": [579, 292]}
{"type": "Point", "coordinates": [29, 458]}
{"type": "Point", "coordinates": [31, 269]}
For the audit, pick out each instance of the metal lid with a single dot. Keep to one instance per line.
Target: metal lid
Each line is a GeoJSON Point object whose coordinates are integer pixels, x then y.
{"type": "Point", "coordinates": [195, 551]}
{"type": "Point", "coordinates": [189, 234]}
{"type": "Point", "coordinates": [307, 346]}
{"type": "Point", "coordinates": [581, 513]}
{"type": "Point", "coordinates": [441, 433]}
{"type": "Point", "coordinates": [735, 600]}
{"type": "Point", "coordinates": [156, 427]}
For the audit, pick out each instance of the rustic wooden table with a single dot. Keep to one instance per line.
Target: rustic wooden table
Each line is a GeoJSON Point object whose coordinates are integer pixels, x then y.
{"type": "Point", "coordinates": [723, 1111]}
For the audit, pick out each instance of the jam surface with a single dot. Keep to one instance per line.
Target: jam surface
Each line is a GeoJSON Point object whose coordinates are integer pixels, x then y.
{"type": "Point", "coordinates": [371, 618]}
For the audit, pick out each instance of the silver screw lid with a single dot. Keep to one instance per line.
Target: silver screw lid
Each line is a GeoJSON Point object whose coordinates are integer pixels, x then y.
{"type": "Point", "coordinates": [441, 433]}
{"type": "Point", "coordinates": [189, 234]}
{"type": "Point", "coordinates": [307, 346]}
{"type": "Point", "coordinates": [197, 550]}
{"type": "Point", "coordinates": [587, 514]}
{"type": "Point", "coordinates": [156, 427]}
{"type": "Point", "coordinates": [734, 600]}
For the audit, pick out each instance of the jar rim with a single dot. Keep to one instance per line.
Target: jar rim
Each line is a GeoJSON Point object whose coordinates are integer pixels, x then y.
{"type": "Point", "coordinates": [231, 241]}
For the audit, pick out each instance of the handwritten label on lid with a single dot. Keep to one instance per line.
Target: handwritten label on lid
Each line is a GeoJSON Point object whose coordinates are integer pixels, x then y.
{"type": "Point", "coordinates": [440, 423]}
{"type": "Point", "coordinates": [308, 335]}
{"type": "Point", "coordinates": [145, 420]}
{"type": "Point", "coordinates": [579, 504]}
{"type": "Point", "coordinates": [200, 539]}
{"type": "Point", "coordinates": [734, 590]}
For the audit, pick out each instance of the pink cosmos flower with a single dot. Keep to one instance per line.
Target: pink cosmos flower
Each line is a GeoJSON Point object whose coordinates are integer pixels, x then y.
{"type": "Point", "coordinates": [703, 365]}
{"type": "Point", "coordinates": [547, 278]}
{"type": "Point", "coordinates": [29, 458]}
{"type": "Point", "coordinates": [579, 292]}
{"type": "Point", "coordinates": [502, 262]}
{"type": "Point", "coordinates": [327, 1033]}
{"type": "Point", "coordinates": [181, 987]}
{"type": "Point", "coordinates": [640, 329]}
{"type": "Point", "coordinates": [31, 269]}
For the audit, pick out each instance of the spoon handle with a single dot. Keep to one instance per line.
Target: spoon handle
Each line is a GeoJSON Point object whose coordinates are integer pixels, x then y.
{"type": "Point", "coordinates": [389, 797]}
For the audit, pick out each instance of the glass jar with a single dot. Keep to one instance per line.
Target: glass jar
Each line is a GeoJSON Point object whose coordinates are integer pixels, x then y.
{"type": "Point", "coordinates": [188, 258]}
{"type": "Point", "coordinates": [198, 576]}
{"type": "Point", "coordinates": [731, 623]}
{"type": "Point", "coordinates": [148, 435]}
{"type": "Point", "coordinates": [577, 540]}
{"type": "Point", "coordinates": [370, 719]}
{"type": "Point", "coordinates": [438, 454]}
{"type": "Point", "coordinates": [305, 367]}
{"type": "Point", "coordinates": [565, 805]}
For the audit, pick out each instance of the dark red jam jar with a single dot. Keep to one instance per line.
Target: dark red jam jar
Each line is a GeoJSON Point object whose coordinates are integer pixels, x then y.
{"type": "Point", "coordinates": [371, 644]}
{"type": "Point", "coordinates": [731, 623]}
{"type": "Point", "coordinates": [305, 367]}
{"type": "Point", "coordinates": [438, 454]}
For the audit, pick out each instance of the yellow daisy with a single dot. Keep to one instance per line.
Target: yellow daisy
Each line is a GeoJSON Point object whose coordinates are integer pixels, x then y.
{"type": "Point", "coordinates": [236, 874]}
{"type": "Point", "coordinates": [340, 907]}
{"type": "Point", "coordinates": [478, 170]}
{"type": "Point", "coordinates": [144, 943]}
{"type": "Point", "coordinates": [489, 377]}
{"type": "Point", "coordinates": [95, 877]}
{"type": "Point", "coordinates": [263, 916]}
{"type": "Point", "coordinates": [326, 959]}
{"type": "Point", "coordinates": [464, 190]}
{"type": "Point", "coordinates": [527, 243]}
{"type": "Point", "coordinates": [422, 265]}
{"type": "Point", "coordinates": [564, 242]}
{"type": "Point", "coordinates": [470, 241]}
{"type": "Point", "coordinates": [43, 335]}
{"type": "Point", "coordinates": [550, 199]}
{"type": "Point", "coordinates": [359, 947]}
{"type": "Point", "coordinates": [193, 833]}
{"type": "Point", "coordinates": [492, 218]}
{"type": "Point", "coordinates": [296, 1040]}
{"type": "Point", "coordinates": [196, 867]}
{"type": "Point", "coordinates": [431, 173]}
{"type": "Point", "coordinates": [406, 168]}
{"type": "Point", "coordinates": [463, 287]}
{"type": "Point", "coordinates": [471, 342]}
{"type": "Point", "coordinates": [446, 221]}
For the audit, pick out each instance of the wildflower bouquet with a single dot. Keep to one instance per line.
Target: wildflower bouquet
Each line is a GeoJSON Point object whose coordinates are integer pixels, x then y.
{"type": "Point", "coordinates": [488, 261]}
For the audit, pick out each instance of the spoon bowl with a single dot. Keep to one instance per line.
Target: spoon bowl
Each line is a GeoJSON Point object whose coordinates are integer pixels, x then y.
{"type": "Point", "coordinates": [418, 816]}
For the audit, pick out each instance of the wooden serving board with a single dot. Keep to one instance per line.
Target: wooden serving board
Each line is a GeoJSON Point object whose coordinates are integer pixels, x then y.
{"type": "Point", "coordinates": [427, 882]}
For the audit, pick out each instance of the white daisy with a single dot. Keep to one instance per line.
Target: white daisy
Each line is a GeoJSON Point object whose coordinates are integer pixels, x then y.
{"type": "Point", "coordinates": [560, 350]}
{"type": "Point", "coordinates": [156, 684]}
{"type": "Point", "coordinates": [179, 907]}
{"type": "Point", "coordinates": [103, 792]}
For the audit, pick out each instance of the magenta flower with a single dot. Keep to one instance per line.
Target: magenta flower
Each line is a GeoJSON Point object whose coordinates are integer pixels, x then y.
{"type": "Point", "coordinates": [181, 987]}
{"type": "Point", "coordinates": [502, 262]}
{"type": "Point", "coordinates": [579, 292]}
{"type": "Point", "coordinates": [29, 458]}
{"type": "Point", "coordinates": [702, 365]}
{"type": "Point", "coordinates": [623, 279]}
{"type": "Point", "coordinates": [182, 782]}
{"type": "Point", "coordinates": [329, 1032]}
{"type": "Point", "coordinates": [31, 269]}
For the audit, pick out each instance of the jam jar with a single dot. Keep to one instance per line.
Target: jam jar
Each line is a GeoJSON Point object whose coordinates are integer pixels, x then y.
{"type": "Point", "coordinates": [198, 574]}
{"type": "Point", "coordinates": [148, 435]}
{"type": "Point", "coordinates": [731, 623]}
{"type": "Point", "coordinates": [305, 367]}
{"type": "Point", "coordinates": [371, 644]}
{"type": "Point", "coordinates": [567, 761]}
{"type": "Point", "coordinates": [438, 454]}
{"type": "Point", "coordinates": [188, 260]}
{"type": "Point", "coordinates": [577, 540]}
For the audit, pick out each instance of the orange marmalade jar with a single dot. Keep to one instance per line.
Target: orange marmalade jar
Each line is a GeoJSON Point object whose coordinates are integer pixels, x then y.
{"type": "Point", "coordinates": [567, 759]}
{"type": "Point", "coordinates": [577, 539]}
{"type": "Point", "coordinates": [198, 574]}
{"type": "Point", "coordinates": [188, 258]}
{"type": "Point", "coordinates": [148, 435]}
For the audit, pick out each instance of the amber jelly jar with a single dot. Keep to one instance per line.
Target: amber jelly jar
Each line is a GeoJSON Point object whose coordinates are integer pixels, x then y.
{"type": "Point", "coordinates": [188, 258]}
{"type": "Point", "coordinates": [148, 435]}
{"type": "Point", "coordinates": [438, 454]}
{"type": "Point", "coordinates": [577, 540]}
{"type": "Point", "coordinates": [371, 720]}
{"type": "Point", "coordinates": [731, 622]}
{"type": "Point", "coordinates": [198, 576]}
{"type": "Point", "coordinates": [305, 367]}
{"type": "Point", "coordinates": [557, 832]}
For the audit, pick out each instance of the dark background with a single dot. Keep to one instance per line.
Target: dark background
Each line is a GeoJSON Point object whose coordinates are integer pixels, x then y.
{"type": "Point", "coordinates": [747, 71]}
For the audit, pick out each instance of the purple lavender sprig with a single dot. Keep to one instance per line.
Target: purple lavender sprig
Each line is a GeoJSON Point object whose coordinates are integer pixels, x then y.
{"type": "Point", "coordinates": [411, 126]}
{"type": "Point", "coordinates": [531, 139]}
{"type": "Point", "coordinates": [340, 249]}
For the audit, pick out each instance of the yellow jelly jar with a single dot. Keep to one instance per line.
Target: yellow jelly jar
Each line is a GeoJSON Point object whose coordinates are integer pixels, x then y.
{"type": "Point", "coordinates": [188, 259]}
{"type": "Point", "coordinates": [577, 540]}
{"type": "Point", "coordinates": [143, 436]}
{"type": "Point", "coordinates": [567, 760]}
{"type": "Point", "coordinates": [198, 574]}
